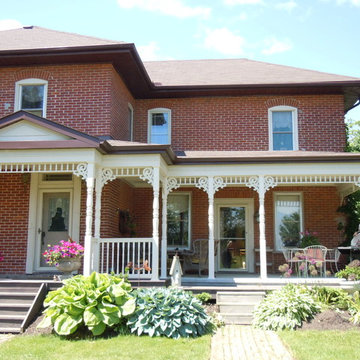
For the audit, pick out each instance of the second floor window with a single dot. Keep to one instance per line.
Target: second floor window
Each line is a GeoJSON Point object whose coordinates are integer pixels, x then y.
{"type": "Point", "coordinates": [283, 128]}
{"type": "Point", "coordinates": [159, 128]}
{"type": "Point", "coordinates": [30, 96]}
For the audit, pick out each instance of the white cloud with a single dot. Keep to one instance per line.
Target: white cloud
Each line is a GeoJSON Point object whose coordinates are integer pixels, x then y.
{"type": "Point", "coordinates": [8, 24]}
{"type": "Point", "coordinates": [149, 52]}
{"type": "Point", "coordinates": [243, 2]}
{"type": "Point", "coordinates": [352, 2]}
{"type": "Point", "coordinates": [288, 6]}
{"type": "Point", "coordinates": [225, 42]}
{"type": "Point", "coordinates": [274, 46]}
{"type": "Point", "coordinates": [175, 8]}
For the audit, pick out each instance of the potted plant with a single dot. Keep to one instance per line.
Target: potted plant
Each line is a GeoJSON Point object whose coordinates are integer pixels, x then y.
{"type": "Point", "coordinates": [65, 256]}
{"type": "Point", "coordinates": [309, 238]}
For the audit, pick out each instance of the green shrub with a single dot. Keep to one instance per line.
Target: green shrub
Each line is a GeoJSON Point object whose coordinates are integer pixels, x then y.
{"type": "Point", "coordinates": [286, 308]}
{"type": "Point", "coordinates": [351, 271]}
{"type": "Point", "coordinates": [97, 302]}
{"type": "Point", "coordinates": [204, 297]}
{"type": "Point", "coordinates": [169, 312]}
{"type": "Point", "coordinates": [331, 297]}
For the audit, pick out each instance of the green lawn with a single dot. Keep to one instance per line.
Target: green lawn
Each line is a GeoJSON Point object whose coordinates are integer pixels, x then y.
{"type": "Point", "coordinates": [323, 345]}
{"type": "Point", "coordinates": [51, 347]}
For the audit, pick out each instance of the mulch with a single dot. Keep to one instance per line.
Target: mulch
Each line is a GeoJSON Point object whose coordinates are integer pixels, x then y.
{"type": "Point", "coordinates": [330, 320]}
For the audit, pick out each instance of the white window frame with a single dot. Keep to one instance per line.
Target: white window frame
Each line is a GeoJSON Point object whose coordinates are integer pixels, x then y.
{"type": "Point", "coordinates": [172, 247]}
{"type": "Point", "coordinates": [159, 110]}
{"type": "Point", "coordinates": [32, 81]}
{"type": "Point", "coordinates": [131, 125]}
{"type": "Point", "coordinates": [279, 247]}
{"type": "Point", "coordinates": [295, 137]}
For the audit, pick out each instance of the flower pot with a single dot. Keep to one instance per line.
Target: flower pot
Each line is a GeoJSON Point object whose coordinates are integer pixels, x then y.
{"type": "Point", "coordinates": [67, 266]}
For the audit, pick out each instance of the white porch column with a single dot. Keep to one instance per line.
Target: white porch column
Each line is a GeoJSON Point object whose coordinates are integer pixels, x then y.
{"type": "Point", "coordinates": [261, 184]}
{"type": "Point", "coordinates": [210, 185]}
{"type": "Point", "coordinates": [211, 228]}
{"type": "Point", "coordinates": [168, 185]}
{"type": "Point", "coordinates": [262, 240]}
{"type": "Point", "coordinates": [88, 251]}
{"type": "Point", "coordinates": [155, 235]}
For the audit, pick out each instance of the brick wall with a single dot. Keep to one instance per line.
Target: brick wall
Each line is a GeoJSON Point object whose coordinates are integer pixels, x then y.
{"type": "Point", "coordinates": [120, 100]}
{"type": "Point", "coordinates": [92, 98]}
{"type": "Point", "coordinates": [89, 98]}
{"type": "Point", "coordinates": [117, 195]}
{"type": "Point", "coordinates": [241, 123]}
{"type": "Point", "coordinates": [14, 212]}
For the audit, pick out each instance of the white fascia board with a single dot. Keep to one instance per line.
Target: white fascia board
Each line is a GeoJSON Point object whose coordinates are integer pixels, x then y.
{"type": "Point", "coordinates": [339, 168]}
{"type": "Point", "coordinates": [131, 160]}
{"type": "Point", "coordinates": [50, 156]}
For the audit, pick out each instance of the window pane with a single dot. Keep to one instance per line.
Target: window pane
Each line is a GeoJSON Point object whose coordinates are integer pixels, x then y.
{"type": "Point", "coordinates": [283, 142]}
{"type": "Point", "coordinates": [282, 121]}
{"type": "Point", "coordinates": [287, 220]}
{"type": "Point", "coordinates": [32, 97]}
{"type": "Point", "coordinates": [160, 128]}
{"type": "Point", "coordinates": [178, 220]}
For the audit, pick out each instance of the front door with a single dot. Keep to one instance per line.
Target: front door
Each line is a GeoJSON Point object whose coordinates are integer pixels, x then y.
{"type": "Point", "coordinates": [234, 236]}
{"type": "Point", "coordinates": [54, 224]}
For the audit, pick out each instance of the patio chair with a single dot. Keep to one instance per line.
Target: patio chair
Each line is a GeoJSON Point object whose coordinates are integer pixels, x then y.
{"type": "Point", "coordinates": [294, 257]}
{"type": "Point", "coordinates": [316, 254]}
{"type": "Point", "coordinates": [332, 257]}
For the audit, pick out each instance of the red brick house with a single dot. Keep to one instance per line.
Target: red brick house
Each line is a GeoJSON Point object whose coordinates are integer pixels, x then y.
{"type": "Point", "coordinates": [135, 159]}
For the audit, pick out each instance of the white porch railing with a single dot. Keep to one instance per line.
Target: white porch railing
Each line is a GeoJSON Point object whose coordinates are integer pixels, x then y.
{"type": "Point", "coordinates": [116, 254]}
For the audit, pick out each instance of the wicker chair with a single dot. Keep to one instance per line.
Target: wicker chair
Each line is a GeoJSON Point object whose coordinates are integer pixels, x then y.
{"type": "Point", "coordinates": [198, 257]}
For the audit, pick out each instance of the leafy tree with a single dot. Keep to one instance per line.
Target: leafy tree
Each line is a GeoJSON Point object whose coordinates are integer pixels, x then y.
{"type": "Point", "coordinates": [351, 205]}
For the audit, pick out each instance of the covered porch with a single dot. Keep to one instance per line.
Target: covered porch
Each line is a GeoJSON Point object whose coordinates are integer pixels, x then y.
{"type": "Point", "coordinates": [243, 195]}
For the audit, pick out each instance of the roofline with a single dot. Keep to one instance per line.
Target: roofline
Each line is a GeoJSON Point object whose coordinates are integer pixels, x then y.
{"type": "Point", "coordinates": [164, 150]}
{"type": "Point", "coordinates": [266, 159]}
{"type": "Point", "coordinates": [172, 159]}
{"type": "Point", "coordinates": [127, 62]}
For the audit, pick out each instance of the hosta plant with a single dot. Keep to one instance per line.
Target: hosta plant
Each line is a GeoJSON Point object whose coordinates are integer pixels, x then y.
{"type": "Point", "coordinates": [97, 303]}
{"type": "Point", "coordinates": [286, 308]}
{"type": "Point", "coordinates": [351, 271]}
{"type": "Point", "coordinates": [169, 312]}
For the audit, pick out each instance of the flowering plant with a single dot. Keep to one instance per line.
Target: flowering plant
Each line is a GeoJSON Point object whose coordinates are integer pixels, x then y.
{"type": "Point", "coordinates": [65, 250]}
{"type": "Point", "coordinates": [309, 238]}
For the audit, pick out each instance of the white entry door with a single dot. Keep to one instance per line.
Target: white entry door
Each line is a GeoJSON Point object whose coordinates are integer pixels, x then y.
{"type": "Point", "coordinates": [235, 236]}
{"type": "Point", "coordinates": [54, 222]}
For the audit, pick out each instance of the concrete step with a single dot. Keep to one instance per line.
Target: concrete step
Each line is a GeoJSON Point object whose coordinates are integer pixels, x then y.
{"type": "Point", "coordinates": [13, 307]}
{"type": "Point", "coordinates": [232, 307]}
{"type": "Point", "coordinates": [237, 318]}
{"type": "Point", "coordinates": [10, 329]}
{"type": "Point", "coordinates": [236, 307]}
{"type": "Point", "coordinates": [240, 296]}
{"type": "Point", "coordinates": [19, 289]}
{"type": "Point", "coordinates": [17, 300]}
{"type": "Point", "coordinates": [17, 317]}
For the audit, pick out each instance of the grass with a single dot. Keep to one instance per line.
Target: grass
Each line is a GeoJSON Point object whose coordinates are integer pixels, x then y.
{"type": "Point", "coordinates": [129, 347]}
{"type": "Point", "coordinates": [323, 345]}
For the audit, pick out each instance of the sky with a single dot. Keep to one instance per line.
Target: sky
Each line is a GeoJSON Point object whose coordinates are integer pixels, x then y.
{"type": "Point", "coordinates": [320, 35]}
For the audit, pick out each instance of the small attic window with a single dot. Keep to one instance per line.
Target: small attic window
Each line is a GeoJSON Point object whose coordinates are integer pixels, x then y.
{"type": "Point", "coordinates": [31, 96]}
{"type": "Point", "coordinates": [57, 177]}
